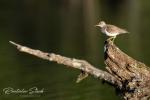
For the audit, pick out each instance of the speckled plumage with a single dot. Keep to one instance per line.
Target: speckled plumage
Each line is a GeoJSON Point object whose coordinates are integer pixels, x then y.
{"type": "Point", "coordinates": [111, 30]}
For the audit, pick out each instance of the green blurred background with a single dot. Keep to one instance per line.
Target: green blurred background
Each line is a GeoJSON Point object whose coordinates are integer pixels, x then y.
{"type": "Point", "coordinates": [66, 27]}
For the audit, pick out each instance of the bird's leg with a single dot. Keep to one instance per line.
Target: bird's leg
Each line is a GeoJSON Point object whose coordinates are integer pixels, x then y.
{"type": "Point", "coordinates": [110, 38]}
{"type": "Point", "coordinates": [113, 38]}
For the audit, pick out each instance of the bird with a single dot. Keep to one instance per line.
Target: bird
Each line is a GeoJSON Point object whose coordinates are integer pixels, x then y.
{"type": "Point", "coordinates": [110, 30]}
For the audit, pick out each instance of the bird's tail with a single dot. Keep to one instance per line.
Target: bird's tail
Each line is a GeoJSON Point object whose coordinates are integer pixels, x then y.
{"type": "Point", "coordinates": [124, 31]}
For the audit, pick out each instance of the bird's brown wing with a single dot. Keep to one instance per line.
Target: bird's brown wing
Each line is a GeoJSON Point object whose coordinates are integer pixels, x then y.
{"type": "Point", "coordinates": [115, 29]}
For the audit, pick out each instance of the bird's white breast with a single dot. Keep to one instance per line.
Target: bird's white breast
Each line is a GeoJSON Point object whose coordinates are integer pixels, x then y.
{"type": "Point", "coordinates": [109, 34]}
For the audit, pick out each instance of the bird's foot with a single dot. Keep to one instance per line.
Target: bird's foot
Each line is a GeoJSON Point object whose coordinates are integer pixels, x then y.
{"type": "Point", "coordinates": [111, 39]}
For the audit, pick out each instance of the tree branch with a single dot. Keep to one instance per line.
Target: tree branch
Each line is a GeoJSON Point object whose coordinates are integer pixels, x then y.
{"type": "Point", "coordinates": [130, 77]}
{"type": "Point", "coordinates": [70, 62]}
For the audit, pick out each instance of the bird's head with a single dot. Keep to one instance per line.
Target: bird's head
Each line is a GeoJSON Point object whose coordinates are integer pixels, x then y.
{"type": "Point", "coordinates": [101, 24]}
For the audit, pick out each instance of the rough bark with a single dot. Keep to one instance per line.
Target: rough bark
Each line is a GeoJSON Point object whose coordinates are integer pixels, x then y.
{"type": "Point", "coordinates": [134, 75]}
{"type": "Point", "coordinates": [130, 77]}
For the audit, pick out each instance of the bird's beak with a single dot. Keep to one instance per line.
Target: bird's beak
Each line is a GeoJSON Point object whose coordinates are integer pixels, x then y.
{"type": "Point", "coordinates": [96, 25]}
